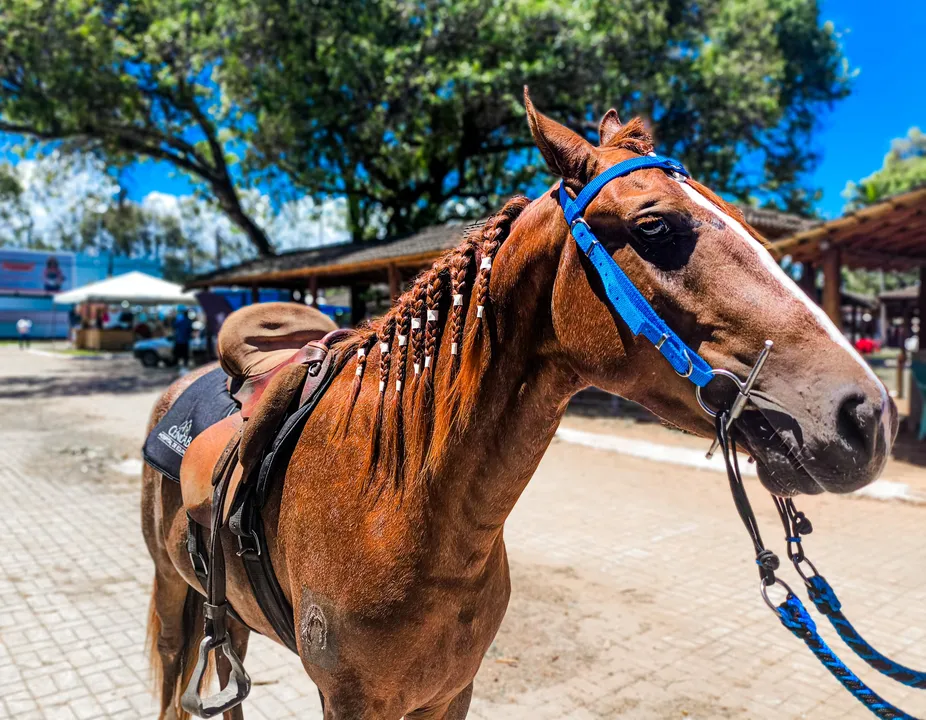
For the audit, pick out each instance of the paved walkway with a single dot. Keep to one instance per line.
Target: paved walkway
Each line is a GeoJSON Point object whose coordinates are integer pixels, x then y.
{"type": "Point", "coordinates": [634, 594]}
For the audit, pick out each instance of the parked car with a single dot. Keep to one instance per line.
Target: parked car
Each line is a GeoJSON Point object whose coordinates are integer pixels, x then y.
{"type": "Point", "coordinates": [161, 350]}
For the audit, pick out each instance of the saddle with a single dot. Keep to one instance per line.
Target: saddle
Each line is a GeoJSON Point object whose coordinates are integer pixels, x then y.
{"type": "Point", "coordinates": [267, 351]}
{"type": "Point", "coordinates": [278, 362]}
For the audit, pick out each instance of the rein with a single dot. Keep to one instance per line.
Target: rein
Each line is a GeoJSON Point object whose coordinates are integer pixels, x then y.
{"type": "Point", "coordinates": [626, 301]}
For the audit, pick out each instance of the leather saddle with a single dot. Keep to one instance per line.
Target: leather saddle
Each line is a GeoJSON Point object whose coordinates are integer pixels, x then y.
{"type": "Point", "coordinates": [278, 362]}
{"type": "Point", "coordinates": [272, 353]}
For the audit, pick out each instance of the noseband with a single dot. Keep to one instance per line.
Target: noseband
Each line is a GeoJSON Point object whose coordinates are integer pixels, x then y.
{"type": "Point", "coordinates": [626, 301]}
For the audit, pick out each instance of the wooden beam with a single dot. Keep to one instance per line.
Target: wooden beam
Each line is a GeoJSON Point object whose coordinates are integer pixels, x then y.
{"type": "Point", "coordinates": [255, 294]}
{"type": "Point", "coordinates": [832, 285]}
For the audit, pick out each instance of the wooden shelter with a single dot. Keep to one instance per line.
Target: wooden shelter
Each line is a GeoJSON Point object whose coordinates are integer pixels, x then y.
{"type": "Point", "coordinates": [392, 261]}
{"type": "Point", "coordinates": [889, 236]}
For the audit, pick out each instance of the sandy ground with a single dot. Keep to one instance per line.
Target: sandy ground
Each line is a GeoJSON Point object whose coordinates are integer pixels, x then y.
{"type": "Point", "coordinates": [634, 592]}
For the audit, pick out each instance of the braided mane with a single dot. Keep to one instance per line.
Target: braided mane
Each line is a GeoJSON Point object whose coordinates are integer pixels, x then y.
{"type": "Point", "coordinates": [419, 408]}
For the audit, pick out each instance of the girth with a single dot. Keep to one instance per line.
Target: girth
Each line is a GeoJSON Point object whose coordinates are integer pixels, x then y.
{"type": "Point", "coordinates": [240, 484]}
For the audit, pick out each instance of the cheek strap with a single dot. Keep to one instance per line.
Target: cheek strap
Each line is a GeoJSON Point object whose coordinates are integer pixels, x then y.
{"type": "Point", "coordinates": [621, 295]}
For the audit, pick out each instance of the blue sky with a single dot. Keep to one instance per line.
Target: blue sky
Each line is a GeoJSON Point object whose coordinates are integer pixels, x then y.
{"type": "Point", "coordinates": [884, 40]}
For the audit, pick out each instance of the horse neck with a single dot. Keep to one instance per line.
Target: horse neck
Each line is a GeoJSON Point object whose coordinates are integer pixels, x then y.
{"type": "Point", "coordinates": [524, 392]}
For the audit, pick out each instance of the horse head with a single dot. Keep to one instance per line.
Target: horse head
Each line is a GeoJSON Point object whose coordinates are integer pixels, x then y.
{"type": "Point", "coordinates": [820, 419]}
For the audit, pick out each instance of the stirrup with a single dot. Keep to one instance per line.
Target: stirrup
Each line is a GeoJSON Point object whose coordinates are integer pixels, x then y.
{"type": "Point", "coordinates": [239, 684]}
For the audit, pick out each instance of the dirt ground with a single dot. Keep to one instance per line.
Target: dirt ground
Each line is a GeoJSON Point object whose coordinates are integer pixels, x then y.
{"type": "Point", "coordinates": [634, 592]}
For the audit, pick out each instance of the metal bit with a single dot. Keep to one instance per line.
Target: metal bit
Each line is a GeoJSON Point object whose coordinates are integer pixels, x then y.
{"type": "Point", "coordinates": [743, 396]}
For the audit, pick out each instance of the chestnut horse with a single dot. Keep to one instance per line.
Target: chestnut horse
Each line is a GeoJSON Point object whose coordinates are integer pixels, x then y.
{"type": "Point", "coordinates": [386, 531]}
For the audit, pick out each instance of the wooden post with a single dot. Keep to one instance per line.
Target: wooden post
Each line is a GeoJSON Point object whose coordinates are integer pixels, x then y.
{"type": "Point", "coordinates": [313, 290]}
{"type": "Point", "coordinates": [358, 306]}
{"type": "Point", "coordinates": [808, 281]}
{"type": "Point", "coordinates": [921, 306]}
{"type": "Point", "coordinates": [832, 285]}
{"type": "Point", "coordinates": [902, 358]}
{"type": "Point", "coordinates": [395, 282]}
{"type": "Point", "coordinates": [255, 294]}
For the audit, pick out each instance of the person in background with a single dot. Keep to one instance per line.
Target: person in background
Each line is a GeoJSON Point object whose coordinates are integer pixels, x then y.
{"type": "Point", "coordinates": [183, 330]}
{"type": "Point", "coordinates": [24, 327]}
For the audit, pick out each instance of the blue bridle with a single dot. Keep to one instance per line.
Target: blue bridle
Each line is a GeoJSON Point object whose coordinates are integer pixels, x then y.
{"type": "Point", "coordinates": [622, 295]}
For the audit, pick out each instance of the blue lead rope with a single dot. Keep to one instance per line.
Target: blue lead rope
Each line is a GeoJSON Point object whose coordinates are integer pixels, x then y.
{"type": "Point", "coordinates": [795, 618]}
{"type": "Point", "coordinates": [824, 597]}
{"type": "Point", "coordinates": [796, 524]}
{"type": "Point", "coordinates": [621, 293]}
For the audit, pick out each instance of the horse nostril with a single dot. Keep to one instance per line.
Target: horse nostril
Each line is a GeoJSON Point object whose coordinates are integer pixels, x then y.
{"type": "Point", "coordinates": [859, 420]}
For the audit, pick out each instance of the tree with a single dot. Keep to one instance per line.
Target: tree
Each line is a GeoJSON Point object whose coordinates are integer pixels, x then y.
{"type": "Point", "coordinates": [126, 80]}
{"type": "Point", "coordinates": [50, 198]}
{"type": "Point", "coordinates": [903, 169]}
{"type": "Point", "coordinates": [412, 112]}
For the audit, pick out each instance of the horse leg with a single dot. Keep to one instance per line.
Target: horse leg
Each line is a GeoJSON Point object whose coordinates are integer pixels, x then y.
{"type": "Point", "coordinates": [456, 709]}
{"type": "Point", "coordinates": [172, 636]}
{"type": "Point", "coordinates": [239, 635]}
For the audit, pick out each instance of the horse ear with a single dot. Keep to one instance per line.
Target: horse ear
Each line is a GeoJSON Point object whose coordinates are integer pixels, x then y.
{"type": "Point", "coordinates": [609, 128]}
{"type": "Point", "coordinates": [567, 154]}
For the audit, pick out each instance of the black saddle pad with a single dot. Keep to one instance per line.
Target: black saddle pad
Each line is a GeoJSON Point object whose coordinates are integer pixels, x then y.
{"type": "Point", "coordinates": [202, 404]}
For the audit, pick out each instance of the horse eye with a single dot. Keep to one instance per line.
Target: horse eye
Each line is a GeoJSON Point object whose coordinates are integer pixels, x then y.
{"type": "Point", "coordinates": [653, 228]}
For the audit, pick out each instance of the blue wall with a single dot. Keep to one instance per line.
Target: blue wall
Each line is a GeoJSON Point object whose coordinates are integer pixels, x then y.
{"type": "Point", "coordinates": [50, 320]}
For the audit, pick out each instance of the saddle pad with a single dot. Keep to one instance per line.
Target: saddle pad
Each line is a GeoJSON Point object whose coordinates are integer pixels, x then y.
{"type": "Point", "coordinates": [202, 404]}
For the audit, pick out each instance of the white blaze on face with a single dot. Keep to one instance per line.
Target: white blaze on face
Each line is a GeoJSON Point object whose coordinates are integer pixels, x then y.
{"type": "Point", "coordinates": [782, 277]}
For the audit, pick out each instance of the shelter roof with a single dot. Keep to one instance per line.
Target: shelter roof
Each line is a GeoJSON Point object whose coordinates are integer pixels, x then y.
{"type": "Point", "coordinates": [135, 287]}
{"type": "Point", "coordinates": [890, 235]}
{"type": "Point", "coordinates": [348, 263]}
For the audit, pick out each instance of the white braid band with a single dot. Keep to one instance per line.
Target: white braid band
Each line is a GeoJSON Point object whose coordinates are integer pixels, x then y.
{"type": "Point", "coordinates": [457, 300]}
{"type": "Point", "coordinates": [403, 340]}
{"type": "Point", "coordinates": [384, 347]}
{"type": "Point", "coordinates": [432, 315]}
{"type": "Point", "coordinates": [382, 386]}
{"type": "Point", "coordinates": [479, 311]}
{"type": "Point", "coordinates": [486, 264]}
{"type": "Point", "coordinates": [427, 361]}
{"type": "Point", "coordinates": [453, 348]}
{"type": "Point", "coordinates": [416, 323]}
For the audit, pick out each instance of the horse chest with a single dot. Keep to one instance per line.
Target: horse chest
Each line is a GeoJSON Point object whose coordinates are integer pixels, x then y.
{"type": "Point", "coordinates": [429, 637]}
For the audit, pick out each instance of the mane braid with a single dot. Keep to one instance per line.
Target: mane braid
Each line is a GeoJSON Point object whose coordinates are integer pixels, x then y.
{"type": "Point", "coordinates": [392, 447]}
{"type": "Point", "coordinates": [405, 449]}
{"type": "Point", "coordinates": [477, 346]}
{"type": "Point", "coordinates": [384, 336]}
{"type": "Point", "coordinates": [435, 282]}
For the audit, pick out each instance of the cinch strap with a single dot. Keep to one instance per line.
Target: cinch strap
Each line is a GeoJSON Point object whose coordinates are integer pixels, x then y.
{"type": "Point", "coordinates": [621, 293]}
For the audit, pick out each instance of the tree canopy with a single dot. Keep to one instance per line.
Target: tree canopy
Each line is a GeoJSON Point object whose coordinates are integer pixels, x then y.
{"type": "Point", "coordinates": [903, 169]}
{"type": "Point", "coordinates": [412, 111]}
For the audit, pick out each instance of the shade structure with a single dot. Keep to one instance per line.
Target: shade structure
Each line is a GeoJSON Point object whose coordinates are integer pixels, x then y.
{"type": "Point", "coordinates": [134, 287]}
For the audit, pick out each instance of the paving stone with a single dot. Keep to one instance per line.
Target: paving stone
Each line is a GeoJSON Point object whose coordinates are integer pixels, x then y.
{"type": "Point", "coordinates": [643, 578]}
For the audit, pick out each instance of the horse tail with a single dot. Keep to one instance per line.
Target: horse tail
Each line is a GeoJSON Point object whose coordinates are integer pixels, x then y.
{"type": "Point", "coordinates": [182, 670]}
{"type": "Point", "coordinates": [151, 641]}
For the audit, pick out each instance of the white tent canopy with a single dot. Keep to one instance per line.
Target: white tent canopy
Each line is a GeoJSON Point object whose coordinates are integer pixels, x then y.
{"type": "Point", "coordinates": [134, 287]}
